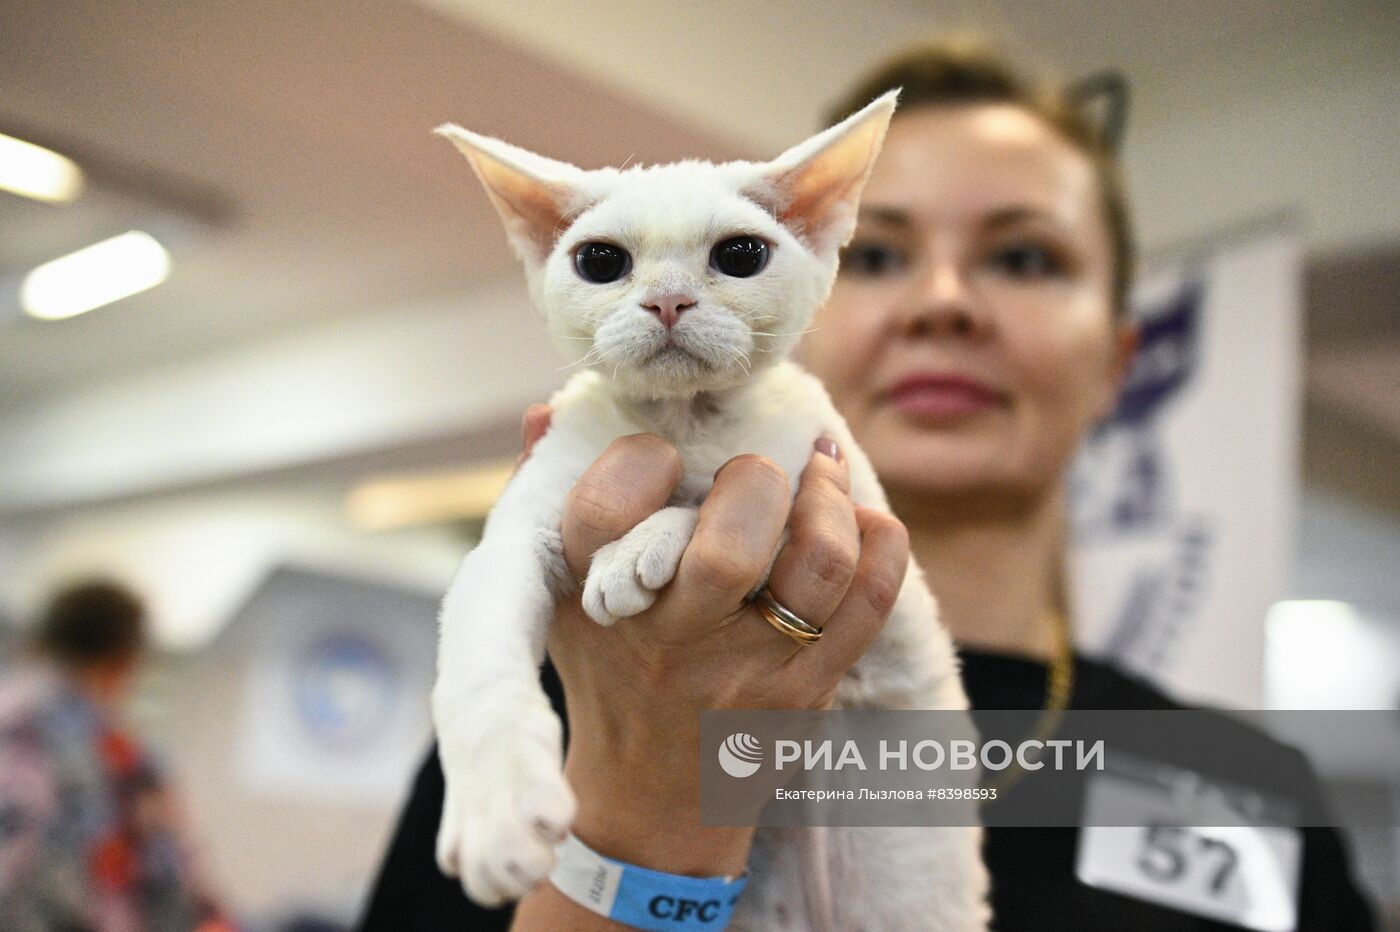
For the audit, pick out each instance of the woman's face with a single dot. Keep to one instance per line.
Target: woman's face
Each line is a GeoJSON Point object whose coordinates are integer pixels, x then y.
{"type": "Point", "coordinates": [968, 340]}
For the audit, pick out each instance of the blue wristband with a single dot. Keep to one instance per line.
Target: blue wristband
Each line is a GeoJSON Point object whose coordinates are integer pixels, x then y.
{"type": "Point", "coordinates": [643, 898]}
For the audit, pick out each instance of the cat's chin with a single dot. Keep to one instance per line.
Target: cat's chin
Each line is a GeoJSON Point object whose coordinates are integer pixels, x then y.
{"type": "Point", "coordinates": [672, 372]}
{"type": "Point", "coordinates": [673, 356]}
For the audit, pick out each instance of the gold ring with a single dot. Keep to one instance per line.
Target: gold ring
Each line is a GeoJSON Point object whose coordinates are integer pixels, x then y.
{"type": "Point", "coordinates": [782, 619]}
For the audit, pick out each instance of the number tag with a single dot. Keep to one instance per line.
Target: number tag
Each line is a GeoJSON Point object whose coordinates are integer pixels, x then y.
{"type": "Point", "coordinates": [1244, 874]}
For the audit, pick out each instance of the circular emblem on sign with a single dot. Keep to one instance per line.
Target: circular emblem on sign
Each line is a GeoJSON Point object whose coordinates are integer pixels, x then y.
{"type": "Point", "coordinates": [344, 688]}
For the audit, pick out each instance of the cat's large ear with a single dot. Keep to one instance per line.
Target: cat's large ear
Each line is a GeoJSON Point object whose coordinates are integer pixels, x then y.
{"type": "Point", "coordinates": [533, 194]}
{"type": "Point", "coordinates": [814, 187]}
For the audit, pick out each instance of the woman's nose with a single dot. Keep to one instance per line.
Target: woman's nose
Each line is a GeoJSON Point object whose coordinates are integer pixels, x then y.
{"type": "Point", "coordinates": [944, 302]}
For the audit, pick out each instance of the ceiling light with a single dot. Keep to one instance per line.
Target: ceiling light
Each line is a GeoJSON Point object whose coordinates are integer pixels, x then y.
{"type": "Point", "coordinates": [33, 171]}
{"type": "Point", "coordinates": [99, 274]}
{"type": "Point", "coordinates": [432, 498]}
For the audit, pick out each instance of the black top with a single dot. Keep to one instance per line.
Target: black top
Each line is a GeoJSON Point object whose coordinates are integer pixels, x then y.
{"type": "Point", "coordinates": [1033, 881]}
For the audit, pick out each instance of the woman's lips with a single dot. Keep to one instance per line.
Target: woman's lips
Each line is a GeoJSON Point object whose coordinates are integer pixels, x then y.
{"type": "Point", "coordinates": [936, 396]}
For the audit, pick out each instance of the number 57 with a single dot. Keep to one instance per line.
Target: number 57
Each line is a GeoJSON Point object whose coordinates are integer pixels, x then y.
{"type": "Point", "coordinates": [1169, 852]}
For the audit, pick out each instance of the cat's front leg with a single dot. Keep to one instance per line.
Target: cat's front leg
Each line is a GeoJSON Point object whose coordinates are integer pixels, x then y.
{"type": "Point", "coordinates": [507, 804]}
{"type": "Point", "coordinates": [625, 575]}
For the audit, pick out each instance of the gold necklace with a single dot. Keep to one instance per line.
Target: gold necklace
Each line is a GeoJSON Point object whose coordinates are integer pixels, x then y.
{"type": "Point", "coordinates": [1059, 689]}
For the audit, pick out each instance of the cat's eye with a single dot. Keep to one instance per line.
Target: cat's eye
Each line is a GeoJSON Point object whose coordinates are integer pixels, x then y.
{"type": "Point", "coordinates": [739, 256]}
{"type": "Point", "coordinates": [601, 263]}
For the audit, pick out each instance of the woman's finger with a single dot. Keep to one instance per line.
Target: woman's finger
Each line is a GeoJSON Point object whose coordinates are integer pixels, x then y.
{"type": "Point", "coordinates": [879, 575]}
{"type": "Point", "coordinates": [633, 478]}
{"type": "Point", "coordinates": [814, 569]}
{"type": "Point", "coordinates": [533, 426]}
{"type": "Point", "coordinates": [741, 522]}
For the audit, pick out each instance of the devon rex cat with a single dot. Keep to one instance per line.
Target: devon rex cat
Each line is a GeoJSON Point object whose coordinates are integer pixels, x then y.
{"type": "Point", "coordinates": [680, 289]}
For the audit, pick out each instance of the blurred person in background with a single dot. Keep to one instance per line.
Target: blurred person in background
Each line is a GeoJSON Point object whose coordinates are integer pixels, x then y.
{"type": "Point", "coordinates": [977, 331]}
{"type": "Point", "coordinates": [90, 835]}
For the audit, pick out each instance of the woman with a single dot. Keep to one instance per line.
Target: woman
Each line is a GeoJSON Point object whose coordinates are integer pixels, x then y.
{"type": "Point", "coordinates": [975, 334]}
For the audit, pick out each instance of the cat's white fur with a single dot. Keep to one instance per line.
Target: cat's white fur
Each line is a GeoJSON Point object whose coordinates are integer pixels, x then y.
{"type": "Point", "coordinates": [717, 384]}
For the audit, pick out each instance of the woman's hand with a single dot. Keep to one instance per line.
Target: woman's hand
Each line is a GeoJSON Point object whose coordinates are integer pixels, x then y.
{"type": "Point", "coordinates": [635, 690]}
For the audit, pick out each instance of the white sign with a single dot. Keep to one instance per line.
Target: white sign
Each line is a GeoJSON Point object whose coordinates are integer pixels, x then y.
{"type": "Point", "coordinates": [335, 705]}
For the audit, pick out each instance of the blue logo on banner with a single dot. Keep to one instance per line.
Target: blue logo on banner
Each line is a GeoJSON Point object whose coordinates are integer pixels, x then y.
{"type": "Point", "coordinates": [1121, 483]}
{"type": "Point", "coordinates": [344, 686]}
{"type": "Point", "coordinates": [1121, 488]}
{"type": "Point", "coordinates": [1168, 348]}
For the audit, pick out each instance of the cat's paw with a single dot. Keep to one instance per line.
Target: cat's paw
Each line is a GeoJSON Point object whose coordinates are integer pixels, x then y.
{"type": "Point", "coordinates": [507, 804]}
{"type": "Point", "coordinates": [625, 576]}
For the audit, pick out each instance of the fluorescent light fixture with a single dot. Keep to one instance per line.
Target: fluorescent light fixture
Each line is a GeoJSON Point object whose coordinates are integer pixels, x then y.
{"type": "Point", "coordinates": [35, 172]}
{"type": "Point", "coordinates": [427, 498]}
{"type": "Point", "coordinates": [99, 274]}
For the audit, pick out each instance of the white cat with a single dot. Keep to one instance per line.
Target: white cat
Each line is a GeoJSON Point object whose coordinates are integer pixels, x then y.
{"type": "Point", "coordinates": [681, 288]}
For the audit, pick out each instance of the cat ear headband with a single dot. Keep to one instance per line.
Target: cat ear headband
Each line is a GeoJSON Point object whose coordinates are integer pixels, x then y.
{"type": "Point", "coordinates": [1102, 99]}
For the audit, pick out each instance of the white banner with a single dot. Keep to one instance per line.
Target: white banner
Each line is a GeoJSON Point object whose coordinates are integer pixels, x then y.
{"type": "Point", "coordinates": [1184, 503]}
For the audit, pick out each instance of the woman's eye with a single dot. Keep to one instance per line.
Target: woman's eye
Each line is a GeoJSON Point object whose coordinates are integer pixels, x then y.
{"type": "Point", "coordinates": [739, 256]}
{"type": "Point", "coordinates": [872, 259]}
{"type": "Point", "coordinates": [601, 263]}
{"type": "Point", "coordinates": [1027, 260]}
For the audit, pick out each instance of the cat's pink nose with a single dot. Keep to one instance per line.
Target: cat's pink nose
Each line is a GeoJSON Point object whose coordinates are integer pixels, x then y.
{"type": "Point", "coordinates": [668, 306]}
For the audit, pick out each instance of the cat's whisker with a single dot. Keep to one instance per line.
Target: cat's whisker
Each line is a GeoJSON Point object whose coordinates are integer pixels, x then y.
{"type": "Point", "coordinates": [554, 333]}
{"type": "Point", "coordinates": [740, 359]}
{"type": "Point", "coordinates": [795, 333]}
{"type": "Point", "coordinates": [593, 355]}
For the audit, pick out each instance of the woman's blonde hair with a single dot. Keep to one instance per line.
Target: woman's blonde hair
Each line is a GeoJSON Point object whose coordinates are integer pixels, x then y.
{"type": "Point", "coordinates": [952, 72]}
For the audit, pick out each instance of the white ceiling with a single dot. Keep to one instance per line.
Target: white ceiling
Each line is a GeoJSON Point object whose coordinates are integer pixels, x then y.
{"type": "Point", "coordinates": [763, 70]}
{"type": "Point", "coordinates": [309, 123]}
